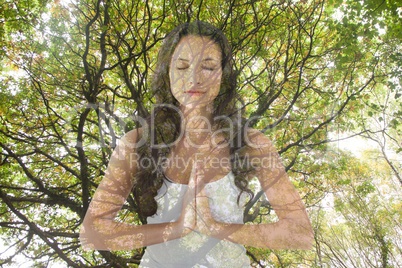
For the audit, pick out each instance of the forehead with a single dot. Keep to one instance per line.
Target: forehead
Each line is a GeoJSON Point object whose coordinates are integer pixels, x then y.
{"type": "Point", "coordinates": [192, 46]}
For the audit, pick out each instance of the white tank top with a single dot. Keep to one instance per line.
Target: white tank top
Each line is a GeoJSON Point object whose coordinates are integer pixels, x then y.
{"type": "Point", "coordinates": [196, 249]}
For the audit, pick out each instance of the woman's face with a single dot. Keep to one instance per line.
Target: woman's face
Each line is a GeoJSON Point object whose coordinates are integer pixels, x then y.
{"type": "Point", "coordinates": [196, 71]}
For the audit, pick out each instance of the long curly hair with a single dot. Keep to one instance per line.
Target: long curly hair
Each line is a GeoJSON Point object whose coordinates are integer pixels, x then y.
{"type": "Point", "coordinates": [164, 124]}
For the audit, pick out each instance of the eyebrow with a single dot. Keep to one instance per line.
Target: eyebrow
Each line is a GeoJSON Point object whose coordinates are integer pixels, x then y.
{"type": "Point", "coordinates": [206, 59]}
{"type": "Point", "coordinates": [209, 59]}
{"type": "Point", "coordinates": [183, 59]}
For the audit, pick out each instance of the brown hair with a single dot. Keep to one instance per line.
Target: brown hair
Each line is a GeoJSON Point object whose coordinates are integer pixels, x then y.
{"type": "Point", "coordinates": [165, 126]}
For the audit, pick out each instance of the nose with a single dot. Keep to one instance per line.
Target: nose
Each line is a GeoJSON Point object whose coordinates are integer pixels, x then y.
{"type": "Point", "coordinates": [195, 77]}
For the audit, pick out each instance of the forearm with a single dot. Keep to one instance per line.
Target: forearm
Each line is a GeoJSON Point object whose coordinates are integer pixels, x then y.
{"type": "Point", "coordinates": [284, 234]}
{"type": "Point", "coordinates": [110, 235]}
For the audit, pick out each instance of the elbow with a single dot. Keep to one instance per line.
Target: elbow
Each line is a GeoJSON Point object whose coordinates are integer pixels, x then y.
{"type": "Point", "coordinates": [306, 240]}
{"type": "Point", "coordinates": [84, 238]}
{"type": "Point", "coordinates": [87, 237]}
{"type": "Point", "coordinates": [299, 235]}
{"type": "Point", "coordinates": [310, 238]}
{"type": "Point", "coordinates": [286, 234]}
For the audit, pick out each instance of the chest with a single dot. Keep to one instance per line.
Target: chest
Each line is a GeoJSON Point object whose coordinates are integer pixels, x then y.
{"type": "Point", "coordinates": [222, 194]}
{"type": "Point", "coordinates": [211, 156]}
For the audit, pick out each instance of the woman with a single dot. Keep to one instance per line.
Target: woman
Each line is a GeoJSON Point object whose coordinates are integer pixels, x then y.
{"type": "Point", "coordinates": [189, 169]}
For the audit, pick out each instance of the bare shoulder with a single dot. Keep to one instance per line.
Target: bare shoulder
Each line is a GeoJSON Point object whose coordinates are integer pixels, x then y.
{"type": "Point", "coordinates": [258, 141]}
{"type": "Point", "coordinates": [132, 138]}
{"type": "Point", "coordinates": [126, 147]}
{"type": "Point", "coordinates": [265, 159]}
{"type": "Point", "coordinates": [122, 164]}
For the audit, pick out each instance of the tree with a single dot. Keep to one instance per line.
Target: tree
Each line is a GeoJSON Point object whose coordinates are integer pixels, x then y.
{"type": "Point", "coordinates": [76, 76]}
{"type": "Point", "coordinates": [366, 230]}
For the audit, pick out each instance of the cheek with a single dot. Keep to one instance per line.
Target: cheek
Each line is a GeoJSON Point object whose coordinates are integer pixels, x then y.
{"type": "Point", "coordinates": [215, 86]}
{"type": "Point", "coordinates": [219, 79]}
{"type": "Point", "coordinates": [176, 80]}
{"type": "Point", "coordinates": [215, 79]}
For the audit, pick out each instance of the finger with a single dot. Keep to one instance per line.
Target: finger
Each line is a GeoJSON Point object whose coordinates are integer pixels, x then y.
{"type": "Point", "coordinates": [198, 166]}
{"type": "Point", "coordinates": [202, 200]}
{"type": "Point", "coordinates": [196, 174]}
{"type": "Point", "coordinates": [191, 193]}
{"type": "Point", "coordinates": [192, 189]}
{"type": "Point", "coordinates": [202, 203]}
{"type": "Point", "coordinates": [204, 216]}
{"type": "Point", "coordinates": [189, 219]}
{"type": "Point", "coordinates": [196, 178]}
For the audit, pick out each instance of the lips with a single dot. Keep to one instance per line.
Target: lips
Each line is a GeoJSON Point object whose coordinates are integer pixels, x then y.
{"type": "Point", "coordinates": [194, 92]}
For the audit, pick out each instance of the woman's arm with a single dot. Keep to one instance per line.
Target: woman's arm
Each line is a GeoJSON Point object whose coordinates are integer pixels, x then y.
{"type": "Point", "coordinates": [292, 230]}
{"type": "Point", "coordinates": [100, 230]}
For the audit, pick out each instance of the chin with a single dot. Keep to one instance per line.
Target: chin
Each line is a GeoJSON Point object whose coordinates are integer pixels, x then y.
{"type": "Point", "coordinates": [194, 105]}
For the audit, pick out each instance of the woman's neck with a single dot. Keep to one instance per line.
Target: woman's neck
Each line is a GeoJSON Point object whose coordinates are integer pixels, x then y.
{"type": "Point", "coordinates": [197, 119]}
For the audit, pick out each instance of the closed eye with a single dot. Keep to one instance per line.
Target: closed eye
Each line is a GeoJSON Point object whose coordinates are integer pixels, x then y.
{"type": "Point", "coordinates": [182, 66]}
{"type": "Point", "coordinates": [208, 68]}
